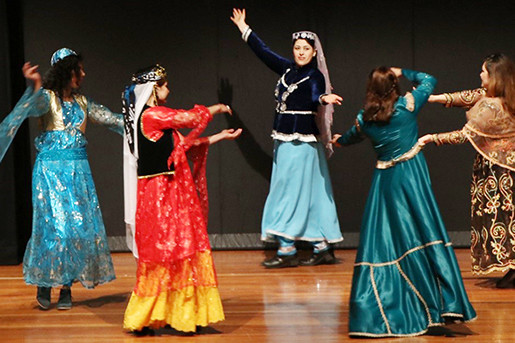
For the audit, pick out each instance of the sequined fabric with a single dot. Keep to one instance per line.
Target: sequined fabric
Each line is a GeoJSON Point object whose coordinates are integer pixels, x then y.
{"type": "Point", "coordinates": [493, 217]}
{"type": "Point", "coordinates": [176, 280]}
{"type": "Point", "coordinates": [68, 242]}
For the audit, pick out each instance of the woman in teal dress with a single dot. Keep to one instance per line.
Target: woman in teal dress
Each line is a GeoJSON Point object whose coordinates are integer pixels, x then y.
{"type": "Point", "coordinates": [68, 242]}
{"type": "Point", "coordinates": [406, 277]}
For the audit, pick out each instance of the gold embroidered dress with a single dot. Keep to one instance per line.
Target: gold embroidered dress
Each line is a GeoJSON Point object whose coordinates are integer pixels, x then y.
{"type": "Point", "coordinates": [491, 131]}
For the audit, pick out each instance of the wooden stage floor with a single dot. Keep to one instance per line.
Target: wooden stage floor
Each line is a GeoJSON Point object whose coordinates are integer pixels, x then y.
{"type": "Point", "coordinates": [304, 304]}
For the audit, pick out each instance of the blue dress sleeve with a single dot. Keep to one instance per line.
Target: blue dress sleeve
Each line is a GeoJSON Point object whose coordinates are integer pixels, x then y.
{"type": "Point", "coordinates": [425, 85]}
{"type": "Point", "coordinates": [31, 104]}
{"type": "Point", "coordinates": [273, 61]}
{"type": "Point", "coordinates": [354, 134]}
{"type": "Point", "coordinates": [103, 116]}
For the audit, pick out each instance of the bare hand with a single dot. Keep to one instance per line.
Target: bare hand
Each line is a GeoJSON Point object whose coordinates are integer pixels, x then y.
{"type": "Point", "coordinates": [238, 18]}
{"type": "Point", "coordinates": [230, 133]}
{"type": "Point", "coordinates": [219, 108]}
{"type": "Point", "coordinates": [334, 140]}
{"type": "Point", "coordinates": [31, 73]}
{"type": "Point", "coordinates": [425, 139]}
{"type": "Point", "coordinates": [396, 71]}
{"type": "Point", "coordinates": [224, 134]}
{"type": "Point", "coordinates": [332, 99]}
{"type": "Point", "coordinates": [432, 98]}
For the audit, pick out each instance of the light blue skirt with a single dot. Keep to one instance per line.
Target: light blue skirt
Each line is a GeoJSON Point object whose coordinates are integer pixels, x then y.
{"type": "Point", "coordinates": [300, 204]}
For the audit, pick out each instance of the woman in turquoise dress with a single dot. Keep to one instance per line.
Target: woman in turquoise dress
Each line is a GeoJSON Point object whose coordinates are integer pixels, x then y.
{"type": "Point", "coordinates": [300, 204]}
{"type": "Point", "coordinates": [406, 276]}
{"type": "Point", "coordinates": [68, 242]}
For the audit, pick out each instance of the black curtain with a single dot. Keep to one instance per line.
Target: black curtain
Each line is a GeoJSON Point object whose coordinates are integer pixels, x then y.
{"type": "Point", "coordinates": [208, 62]}
{"type": "Point", "coordinates": [15, 169]}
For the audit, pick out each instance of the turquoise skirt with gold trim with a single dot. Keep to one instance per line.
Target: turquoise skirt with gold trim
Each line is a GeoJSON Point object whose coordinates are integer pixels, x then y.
{"type": "Point", "coordinates": [406, 276]}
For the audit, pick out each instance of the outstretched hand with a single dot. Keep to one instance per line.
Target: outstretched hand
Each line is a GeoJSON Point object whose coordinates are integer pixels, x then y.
{"type": "Point", "coordinates": [224, 134]}
{"type": "Point", "coordinates": [334, 99]}
{"type": "Point", "coordinates": [230, 133]}
{"type": "Point", "coordinates": [31, 73]}
{"type": "Point", "coordinates": [238, 18]}
{"type": "Point", "coordinates": [219, 108]}
{"type": "Point", "coordinates": [425, 139]}
{"type": "Point", "coordinates": [334, 140]}
{"type": "Point", "coordinates": [432, 98]}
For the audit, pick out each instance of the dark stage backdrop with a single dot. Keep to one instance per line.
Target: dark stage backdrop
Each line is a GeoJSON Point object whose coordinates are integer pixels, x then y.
{"type": "Point", "coordinates": [208, 62]}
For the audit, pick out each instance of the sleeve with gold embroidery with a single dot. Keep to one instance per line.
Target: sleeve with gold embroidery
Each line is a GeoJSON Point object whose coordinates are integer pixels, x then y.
{"type": "Point", "coordinates": [466, 98]}
{"type": "Point", "coordinates": [156, 120]}
{"type": "Point", "coordinates": [453, 137]}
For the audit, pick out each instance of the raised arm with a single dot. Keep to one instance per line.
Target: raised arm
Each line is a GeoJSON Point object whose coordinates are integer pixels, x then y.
{"type": "Point", "coordinates": [466, 98]}
{"type": "Point", "coordinates": [31, 73]}
{"type": "Point", "coordinates": [274, 61]}
{"type": "Point", "coordinates": [31, 104]}
{"type": "Point", "coordinates": [425, 86]}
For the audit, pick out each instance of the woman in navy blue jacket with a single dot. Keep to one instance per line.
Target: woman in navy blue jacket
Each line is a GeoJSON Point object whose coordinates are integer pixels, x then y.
{"type": "Point", "coordinates": [300, 204]}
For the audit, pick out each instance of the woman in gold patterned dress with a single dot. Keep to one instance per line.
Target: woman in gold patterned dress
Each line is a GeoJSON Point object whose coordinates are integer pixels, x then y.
{"type": "Point", "coordinates": [490, 128]}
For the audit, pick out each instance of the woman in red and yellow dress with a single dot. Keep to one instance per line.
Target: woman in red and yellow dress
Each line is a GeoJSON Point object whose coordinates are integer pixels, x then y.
{"type": "Point", "coordinates": [176, 279]}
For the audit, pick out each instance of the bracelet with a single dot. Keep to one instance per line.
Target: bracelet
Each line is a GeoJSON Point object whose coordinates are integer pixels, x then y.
{"type": "Point", "coordinates": [434, 136]}
{"type": "Point", "coordinates": [448, 99]}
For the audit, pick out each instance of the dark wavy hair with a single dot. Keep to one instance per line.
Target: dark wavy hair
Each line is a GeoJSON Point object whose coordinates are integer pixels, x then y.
{"type": "Point", "coordinates": [59, 76]}
{"type": "Point", "coordinates": [382, 92]}
{"type": "Point", "coordinates": [501, 71]}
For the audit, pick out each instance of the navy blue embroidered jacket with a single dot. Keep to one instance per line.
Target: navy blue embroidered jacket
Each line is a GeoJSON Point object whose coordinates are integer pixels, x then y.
{"type": "Point", "coordinates": [297, 93]}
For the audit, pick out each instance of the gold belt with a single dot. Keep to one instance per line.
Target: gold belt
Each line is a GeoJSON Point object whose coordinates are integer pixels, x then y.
{"type": "Point", "coordinates": [404, 157]}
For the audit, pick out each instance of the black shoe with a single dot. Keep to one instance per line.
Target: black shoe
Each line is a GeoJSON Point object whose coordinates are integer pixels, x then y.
{"type": "Point", "coordinates": [145, 331]}
{"type": "Point", "coordinates": [323, 257]}
{"type": "Point", "coordinates": [281, 262]}
{"type": "Point", "coordinates": [508, 280]}
{"type": "Point", "coordinates": [43, 297]}
{"type": "Point", "coordinates": [65, 299]}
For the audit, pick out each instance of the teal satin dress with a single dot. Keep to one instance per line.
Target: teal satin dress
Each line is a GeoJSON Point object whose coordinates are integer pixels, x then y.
{"type": "Point", "coordinates": [406, 276]}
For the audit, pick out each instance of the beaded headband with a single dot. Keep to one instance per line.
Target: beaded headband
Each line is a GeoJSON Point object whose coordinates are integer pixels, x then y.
{"type": "Point", "coordinates": [303, 35]}
{"type": "Point", "coordinates": [157, 73]}
{"type": "Point", "coordinates": [60, 54]}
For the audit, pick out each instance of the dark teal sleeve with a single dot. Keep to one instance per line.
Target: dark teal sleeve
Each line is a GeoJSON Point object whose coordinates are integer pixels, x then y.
{"type": "Point", "coordinates": [354, 134]}
{"type": "Point", "coordinates": [425, 85]}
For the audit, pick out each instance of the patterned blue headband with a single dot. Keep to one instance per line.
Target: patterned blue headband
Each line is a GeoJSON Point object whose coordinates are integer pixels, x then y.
{"type": "Point", "coordinates": [60, 54]}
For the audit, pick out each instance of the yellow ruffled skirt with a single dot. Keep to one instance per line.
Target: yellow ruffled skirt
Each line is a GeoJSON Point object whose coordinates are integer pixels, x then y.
{"type": "Point", "coordinates": [184, 307]}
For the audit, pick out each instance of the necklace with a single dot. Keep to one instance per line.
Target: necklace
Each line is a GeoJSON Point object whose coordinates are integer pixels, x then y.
{"type": "Point", "coordinates": [281, 105]}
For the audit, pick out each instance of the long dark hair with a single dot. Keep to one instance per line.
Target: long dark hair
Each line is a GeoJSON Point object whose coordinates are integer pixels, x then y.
{"type": "Point", "coordinates": [382, 93]}
{"type": "Point", "coordinates": [501, 71]}
{"type": "Point", "coordinates": [59, 76]}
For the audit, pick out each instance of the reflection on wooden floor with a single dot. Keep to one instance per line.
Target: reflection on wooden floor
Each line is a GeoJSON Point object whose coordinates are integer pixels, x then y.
{"type": "Point", "coordinates": [304, 304]}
